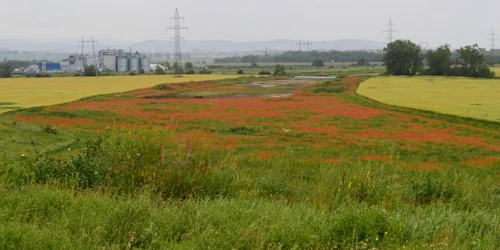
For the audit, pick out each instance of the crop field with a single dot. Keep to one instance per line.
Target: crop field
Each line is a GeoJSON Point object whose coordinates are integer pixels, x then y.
{"type": "Point", "coordinates": [247, 163]}
{"type": "Point", "coordinates": [32, 92]}
{"type": "Point", "coordinates": [465, 97]}
{"type": "Point", "coordinates": [496, 70]}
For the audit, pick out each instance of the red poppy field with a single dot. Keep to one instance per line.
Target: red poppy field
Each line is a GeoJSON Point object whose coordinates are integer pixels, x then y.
{"type": "Point", "coordinates": [324, 125]}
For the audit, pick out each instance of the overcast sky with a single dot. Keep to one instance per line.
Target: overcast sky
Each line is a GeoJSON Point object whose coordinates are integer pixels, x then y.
{"type": "Point", "coordinates": [457, 22]}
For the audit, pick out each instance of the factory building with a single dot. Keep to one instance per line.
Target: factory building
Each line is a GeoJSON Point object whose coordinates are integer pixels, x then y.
{"type": "Point", "coordinates": [112, 60]}
{"type": "Point", "coordinates": [75, 63]}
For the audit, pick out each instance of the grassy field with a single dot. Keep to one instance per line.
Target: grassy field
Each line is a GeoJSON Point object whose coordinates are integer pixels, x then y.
{"type": "Point", "coordinates": [497, 70]}
{"type": "Point", "coordinates": [32, 92]}
{"type": "Point", "coordinates": [474, 98]}
{"type": "Point", "coordinates": [229, 165]}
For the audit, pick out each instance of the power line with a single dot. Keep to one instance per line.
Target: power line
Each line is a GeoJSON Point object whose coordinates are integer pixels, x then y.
{"type": "Point", "coordinates": [177, 37]}
{"type": "Point", "coordinates": [390, 31]}
{"type": "Point", "coordinates": [92, 43]}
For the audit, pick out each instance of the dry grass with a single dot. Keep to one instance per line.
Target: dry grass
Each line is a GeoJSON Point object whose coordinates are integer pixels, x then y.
{"type": "Point", "coordinates": [475, 98]}
{"type": "Point", "coordinates": [32, 92]}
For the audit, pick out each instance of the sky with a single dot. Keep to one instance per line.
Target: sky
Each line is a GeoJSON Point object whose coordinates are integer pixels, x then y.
{"type": "Point", "coordinates": [435, 22]}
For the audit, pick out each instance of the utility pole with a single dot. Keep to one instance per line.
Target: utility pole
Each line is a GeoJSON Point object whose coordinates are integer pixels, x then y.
{"type": "Point", "coordinates": [92, 43]}
{"type": "Point", "coordinates": [95, 62]}
{"type": "Point", "coordinates": [493, 40]}
{"type": "Point", "coordinates": [265, 56]}
{"type": "Point", "coordinates": [177, 37]}
{"type": "Point", "coordinates": [390, 31]}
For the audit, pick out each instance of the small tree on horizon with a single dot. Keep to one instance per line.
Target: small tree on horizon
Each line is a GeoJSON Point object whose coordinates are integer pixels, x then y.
{"type": "Point", "coordinates": [279, 70]}
{"type": "Point", "coordinates": [318, 63]}
{"type": "Point", "coordinates": [6, 69]}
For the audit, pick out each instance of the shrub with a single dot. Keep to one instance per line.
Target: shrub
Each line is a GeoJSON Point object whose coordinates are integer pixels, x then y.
{"type": "Point", "coordinates": [264, 72]}
{"type": "Point", "coordinates": [205, 72]}
{"type": "Point", "coordinates": [126, 160]}
{"type": "Point", "coordinates": [190, 72]}
{"type": "Point", "coordinates": [240, 72]}
{"type": "Point", "coordinates": [318, 63]}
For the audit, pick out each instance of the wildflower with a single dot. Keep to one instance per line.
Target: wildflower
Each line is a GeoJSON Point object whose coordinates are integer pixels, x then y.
{"type": "Point", "coordinates": [22, 155]}
{"type": "Point", "coordinates": [138, 154]}
{"type": "Point", "coordinates": [69, 149]}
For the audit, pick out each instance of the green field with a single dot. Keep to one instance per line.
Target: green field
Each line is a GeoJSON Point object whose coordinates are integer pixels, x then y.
{"type": "Point", "coordinates": [473, 98]}
{"type": "Point", "coordinates": [247, 163]}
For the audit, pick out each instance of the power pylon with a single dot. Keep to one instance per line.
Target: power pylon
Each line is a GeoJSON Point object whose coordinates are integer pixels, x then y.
{"type": "Point", "coordinates": [492, 38]}
{"type": "Point", "coordinates": [177, 37]}
{"type": "Point", "coordinates": [308, 44]}
{"type": "Point", "coordinates": [88, 43]}
{"type": "Point", "coordinates": [390, 31]}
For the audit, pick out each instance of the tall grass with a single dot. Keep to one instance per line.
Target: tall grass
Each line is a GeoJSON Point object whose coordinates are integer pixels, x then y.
{"type": "Point", "coordinates": [119, 192]}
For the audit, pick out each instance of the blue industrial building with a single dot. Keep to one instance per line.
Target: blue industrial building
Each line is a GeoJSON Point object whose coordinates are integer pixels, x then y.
{"type": "Point", "coordinates": [49, 67]}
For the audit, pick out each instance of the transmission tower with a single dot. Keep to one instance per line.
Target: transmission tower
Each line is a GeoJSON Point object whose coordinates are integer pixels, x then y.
{"type": "Point", "coordinates": [307, 44]}
{"type": "Point", "coordinates": [390, 31]}
{"type": "Point", "coordinates": [265, 56]}
{"type": "Point", "coordinates": [492, 38]}
{"type": "Point", "coordinates": [92, 43]}
{"type": "Point", "coordinates": [177, 37]}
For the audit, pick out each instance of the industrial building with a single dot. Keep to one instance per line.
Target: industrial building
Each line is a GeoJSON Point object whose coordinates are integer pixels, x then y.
{"type": "Point", "coordinates": [112, 60]}
{"type": "Point", "coordinates": [49, 67]}
{"type": "Point", "coordinates": [74, 63]}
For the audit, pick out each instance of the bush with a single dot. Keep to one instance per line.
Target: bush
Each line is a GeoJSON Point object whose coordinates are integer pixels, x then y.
{"type": "Point", "coordinates": [318, 63]}
{"type": "Point", "coordinates": [126, 160]}
{"type": "Point", "coordinates": [279, 70]}
{"type": "Point", "coordinates": [132, 73]}
{"type": "Point", "coordinates": [264, 72]}
{"type": "Point", "coordinates": [190, 72]}
{"type": "Point", "coordinates": [159, 71]}
{"type": "Point", "coordinates": [205, 72]}
{"type": "Point", "coordinates": [240, 72]}
{"type": "Point", "coordinates": [41, 75]}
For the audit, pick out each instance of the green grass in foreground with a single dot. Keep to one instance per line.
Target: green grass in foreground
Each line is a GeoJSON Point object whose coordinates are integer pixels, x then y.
{"type": "Point", "coordinates": [116, 194]}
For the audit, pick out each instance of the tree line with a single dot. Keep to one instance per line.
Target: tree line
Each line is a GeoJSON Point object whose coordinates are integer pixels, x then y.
{"type": "Point", "coordinates": [305, 56]}
{"type": "Point", "coordinates": [404, 57]}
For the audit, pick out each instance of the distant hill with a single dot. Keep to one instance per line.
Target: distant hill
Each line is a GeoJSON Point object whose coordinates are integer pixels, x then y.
{"type": "Point", "coordinates": [219, 45]}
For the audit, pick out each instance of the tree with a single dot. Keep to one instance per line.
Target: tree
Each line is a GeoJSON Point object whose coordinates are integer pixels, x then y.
{"type": "Point", "coordinates": [363, 62]}
{"type": "Point", "coordinates": [403, 58]}
{"type": "Point", "coordinates": [279, 70]}
{"type": "Point", "coordinates": [89, 70]}
{"type": "Point", "coordinates": [470, 62]}
{"type": "Point", "coordinates": [178, 70]}
{"type": "Point", "coordinates": [439, 61]}
{"type": "Point", "coordinates": [6, 69]}
{"type": "Point", "coordinates": [188, 65]}
{"type": "Point", "coordinates": [159, 71]}
{"type": "Point", "coordinates": [318, 63]}
{"type": "Point", "coordinates": [167, 64]}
